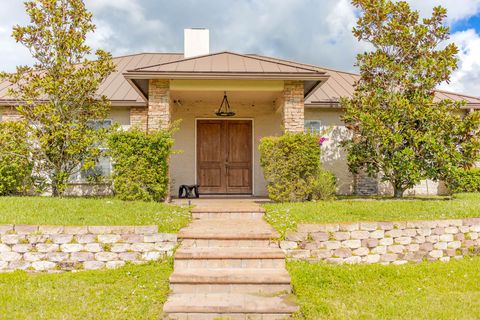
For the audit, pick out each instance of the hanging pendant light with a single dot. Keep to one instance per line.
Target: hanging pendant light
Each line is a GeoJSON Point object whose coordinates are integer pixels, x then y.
{"type": "Point", "coordinates": [225, 110]}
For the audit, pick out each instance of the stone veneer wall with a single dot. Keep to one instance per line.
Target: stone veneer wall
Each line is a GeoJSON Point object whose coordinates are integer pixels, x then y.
{"type": "Point", "coordinates": [159, 111]}
{"type": "Point", "coordinates": [293, 106]}
{"type": "Point", "coordinates": [364, 185]}
{"type": "Point", "coordinates": [53, 248]}
{"type": "Point", "coordinates": [384, 242]}
{"type": "Point", "coordinates": [139, 117]}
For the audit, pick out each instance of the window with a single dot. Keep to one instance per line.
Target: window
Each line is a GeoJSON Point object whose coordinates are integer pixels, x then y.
{"type": "Point", "coordinates": [103, 167]}
{"type": "Point", "coordinates": [313, 126]}
{"type": "Point", "coordinates": [100, 124]}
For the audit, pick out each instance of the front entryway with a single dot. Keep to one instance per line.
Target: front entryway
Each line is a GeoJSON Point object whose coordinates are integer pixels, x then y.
{"type": "Point", "coordinates": [224, 156]}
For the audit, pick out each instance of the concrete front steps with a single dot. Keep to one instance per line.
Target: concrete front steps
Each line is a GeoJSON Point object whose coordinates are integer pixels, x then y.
{"type": "Point", "coordinates": [244, 213]}
{"type": "Point", "coordinates": [227, 267]}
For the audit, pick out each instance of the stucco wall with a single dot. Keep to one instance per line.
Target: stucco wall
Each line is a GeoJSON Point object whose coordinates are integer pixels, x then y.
{"type": "Point", "coordinates": [120, 115]}
{"type": "Point", "coordinates": [266, 122]}
{"type": "Point", "coordinates": [333, 156]}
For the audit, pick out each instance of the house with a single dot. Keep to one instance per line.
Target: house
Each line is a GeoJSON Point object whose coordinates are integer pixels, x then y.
{"type": "Point", "coordinates": [267, 95]}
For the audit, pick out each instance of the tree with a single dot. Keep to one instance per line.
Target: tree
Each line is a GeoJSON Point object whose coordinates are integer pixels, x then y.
{"type": "Point", "coordinates": [15, 163]}
{"type": "Point", "coordinates": [398, 130]}
{"type": "Point", "coordinates": [57, 96]}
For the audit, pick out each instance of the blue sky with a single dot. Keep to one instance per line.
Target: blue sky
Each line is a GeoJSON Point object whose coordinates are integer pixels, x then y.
{"type": "Point", "coordinates": [468, 23]}
{"type": "Point", "coordinates": [310, 31]}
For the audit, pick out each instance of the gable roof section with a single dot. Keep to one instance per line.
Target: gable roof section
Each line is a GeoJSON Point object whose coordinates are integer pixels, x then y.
{"type": "Point", "coordinates": [229, 65]}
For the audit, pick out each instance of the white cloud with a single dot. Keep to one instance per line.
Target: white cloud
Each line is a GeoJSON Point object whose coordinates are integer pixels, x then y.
{"type": "Point", "coordinates": [467, 78]}
{"type": "Point", "coordinates": [456, 9]}
{"type": "Point", "coordinates": [311, 31]}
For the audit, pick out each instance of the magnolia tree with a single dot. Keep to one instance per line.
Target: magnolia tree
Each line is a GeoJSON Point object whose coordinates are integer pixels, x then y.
{"type": "Point", "coordinates": [398, 129]}
{"type": "Point", "coordinates": [57, 96]}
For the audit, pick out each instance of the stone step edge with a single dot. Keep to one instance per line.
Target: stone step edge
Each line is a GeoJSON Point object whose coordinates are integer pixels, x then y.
{"type": "Point", "coordinates": [226, 315]}
{"type": "Point", "coordinates": [230, 276]}
{"type": "Point", "coordinates": [226, 210]}
{"type": "Point", "coordinates": [227, 236]}
{"type": "Point", "coordinates": [214, 253]}
{"type": "Point", "coordinates": [212, 303]}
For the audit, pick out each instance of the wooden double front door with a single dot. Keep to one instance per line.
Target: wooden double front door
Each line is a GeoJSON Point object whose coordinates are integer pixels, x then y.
{"type": "Point", "coordinates": [224, 156]}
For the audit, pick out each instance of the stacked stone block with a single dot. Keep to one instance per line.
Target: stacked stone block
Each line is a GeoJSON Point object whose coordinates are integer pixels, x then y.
{"type": "Point", "coordinates": [139, 117]}
{"type": "Point", "coordinates": [384, 242]}
{"type": "Point", "coordinates": [293, 106]}
{"type": "Point", "coordinates": [159, 111]}
{"type": "Point", "coordinates": [56, 248]}
{"type": "Point", "coordinates": [365, 185]}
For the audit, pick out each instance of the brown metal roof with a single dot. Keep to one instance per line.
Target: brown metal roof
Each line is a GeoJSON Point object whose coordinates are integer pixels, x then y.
{"type": "Point", "coordinates": [229, 62]}
{"type": "Point", "coordinates": [116, 87]}
{"type": "Point", "coordinates": [335, 83]}
{"type": "Point", "coordinates": [341, 84]}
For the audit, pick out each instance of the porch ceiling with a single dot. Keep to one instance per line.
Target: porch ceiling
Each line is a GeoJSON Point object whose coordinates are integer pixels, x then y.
{"type": "Point", "coordinates": [234, 97]}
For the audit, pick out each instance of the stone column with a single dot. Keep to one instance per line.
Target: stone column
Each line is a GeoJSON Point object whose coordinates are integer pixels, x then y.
{"type": "Point", "coordinates": [293, 106]}
{"type": "Point", "coordinates": [139, 117]}
{"type": "Point", "coordinates": [159, 112]}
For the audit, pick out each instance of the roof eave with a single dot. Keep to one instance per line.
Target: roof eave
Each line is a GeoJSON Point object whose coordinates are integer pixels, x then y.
{"type": "Point", "coordinates": [336, 104]}
{"type": "Point", "coordinates": [113, 103]}
{"type": "Point", "coordinates": [223, 76]}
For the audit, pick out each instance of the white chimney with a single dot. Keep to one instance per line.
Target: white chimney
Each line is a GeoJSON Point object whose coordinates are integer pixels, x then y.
{"type": "Point", "coordinates": [196, 42]}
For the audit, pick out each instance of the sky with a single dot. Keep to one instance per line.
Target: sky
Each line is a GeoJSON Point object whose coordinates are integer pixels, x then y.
{"type": "Point", "coordinates": [309, 31]}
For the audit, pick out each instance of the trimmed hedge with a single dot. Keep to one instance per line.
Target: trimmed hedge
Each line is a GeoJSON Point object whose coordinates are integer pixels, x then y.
{"type": "Point", "coordinates": [140, 164]}
{"type": "Point", "coordinates": [465, 180]}
{"type": "Point", "coordinates": [292, 169]}
{"type": "Point", "coordinates": [15, 163]}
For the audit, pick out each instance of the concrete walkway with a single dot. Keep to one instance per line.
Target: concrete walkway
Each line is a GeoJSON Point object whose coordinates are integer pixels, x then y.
{"type": "Point", "coordinates": [228, 267]}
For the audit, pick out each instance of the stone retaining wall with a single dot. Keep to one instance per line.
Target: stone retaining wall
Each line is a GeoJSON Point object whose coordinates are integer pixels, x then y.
{"type": "Point", "coordinates": [384, 242]}
{"type": "Point", "coordinates": [51, 248]}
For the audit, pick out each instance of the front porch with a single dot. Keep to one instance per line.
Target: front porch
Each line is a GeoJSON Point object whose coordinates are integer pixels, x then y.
{"type": "Point", "coordinates": [221, 153]}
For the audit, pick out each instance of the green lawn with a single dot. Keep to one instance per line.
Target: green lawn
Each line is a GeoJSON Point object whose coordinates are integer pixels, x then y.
{"type": "Point", "coordinates": [285, 216]}
{"type": "Point", "coordinates": [130, 292]}
{"type": "Point", "coordinates": [91, 211]}
{"type": "Point", "coordinates": [413, 291]}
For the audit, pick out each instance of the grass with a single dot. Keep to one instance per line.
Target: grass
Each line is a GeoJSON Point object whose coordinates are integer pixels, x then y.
{"type": "Point", "coordinates": [130, 292]}
{"type": "Point", "coordinates": [91, 211]}
{"type": "Point", "coordinates": [286, 216]}
{"type": "Point", "coordinates": [413, 291]}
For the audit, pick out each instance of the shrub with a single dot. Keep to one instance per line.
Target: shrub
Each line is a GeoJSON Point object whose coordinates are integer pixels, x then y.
{"type": "Point", "coordinates": [323, 185]}
{"type": "Point", "coordinates": [140, 164]}
{"type": "Point", "coordinates": [291, 165]}
{"type": "Point", "coordinates": [464, 180]}
{"type": "Point", "coordinates": [15, 164]}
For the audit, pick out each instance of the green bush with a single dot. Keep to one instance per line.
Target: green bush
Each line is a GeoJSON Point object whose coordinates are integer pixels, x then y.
{"type": "Point", "coordinates": [323, 185]}
{"type": "Point", "coordinates": [15, 164]}
{"type": "Point", "coordinates": [140, 164]}
{"type": "Point", "coordinates": [464, 180]}
{"type": "Point", "coordinates": [292, 169]}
